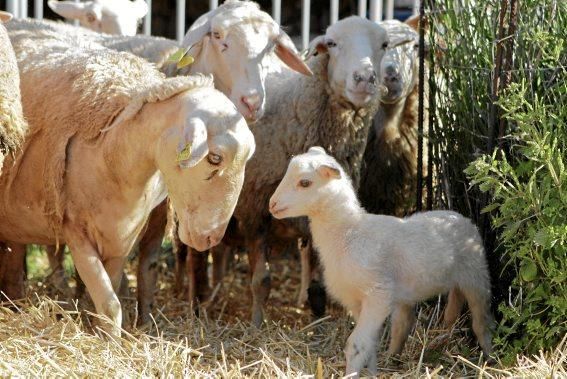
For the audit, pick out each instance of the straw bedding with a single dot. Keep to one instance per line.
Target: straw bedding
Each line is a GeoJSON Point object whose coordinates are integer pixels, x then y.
{"type": "Point", "coordinates": [47, 338]}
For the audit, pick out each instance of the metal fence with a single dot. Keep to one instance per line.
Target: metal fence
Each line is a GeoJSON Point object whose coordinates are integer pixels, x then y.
{"type": "Point", "coordinates": [373, 9]}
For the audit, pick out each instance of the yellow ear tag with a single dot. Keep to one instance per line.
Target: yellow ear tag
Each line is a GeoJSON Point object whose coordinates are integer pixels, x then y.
{"type": "Point", "coordinates": [185, 153]}
{"type": "Point", "coordinates": [185, 61]}
{"type": "Point", "coordinates": [176, 57]}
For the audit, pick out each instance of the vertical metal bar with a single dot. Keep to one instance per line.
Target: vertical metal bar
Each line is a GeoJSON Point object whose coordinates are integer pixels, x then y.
{"type": "Point", "coordinates": [376, 10]}
{"type": "Point", "coordinates": [432, 117]}
{"type": "Point", "coordinates": [334, 11]}
{"type": "Point", "coordinates": [389, 9]}
{"type": "Point", "coordinates": [38, 9]}
{"type": "Point", "coordinates": [148, 19]}
{"type": "Point", "coordinates": [305, 18]}
{"type": "Point", "coordinates": [277, 10]}
{"type": "Point", "coordinates": [23, 8]}
{"type": "Point", "coordinates": [415, 7]}
{"type": "Point", "coordinates": [12, 7]}
{"type": "Point", "coordinates": [213, 4]}
{"type": "Point", "coordinates": [420, 109]}
{"type": "Point", "coordinates": [180, 24]}
{"type": "Point", "coordinates": [362, 8]}
{"type": "Point", "coordinates": [76, 22]}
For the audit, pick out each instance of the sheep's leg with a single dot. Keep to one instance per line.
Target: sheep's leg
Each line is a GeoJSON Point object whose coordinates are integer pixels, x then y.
{"type": "Point", "coordinates": [261, 281]}
{"type": "Point", "coordinates": [57, 277]}
{"type": "Point", "coordinates": [98, 283]}
{"type": "Point", "coordinates": [361, 344]}
{"type": "Point", "coordinates": [150, 248]}
{"type": "Point", "coordinates": [180, 251]}
{"type": "Point", "coordinates": [403, 318]}
{"type": "Point", "coordinates": [221, 257]}
{"type": "Point", "coordinates": [316, 292]}
{"type": "Point", "coordinates": [455, 302]}
{"type": "Point", "coordinates": [480, 311]}
{"type": "Point", "coordinates": [303, 246]}
{"type": "Point", "coordinates": [198, 278]}
{"type": "Point", "coordinates": [13, 271]}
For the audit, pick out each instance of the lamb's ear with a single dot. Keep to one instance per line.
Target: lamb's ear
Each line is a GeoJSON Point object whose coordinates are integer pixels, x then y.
{"type": "Point", "coordinates": [317, 149]}
{"type": "Point", "coordinates": [317, 46]}
{"type": "Point", "coordinates": [200, 28]}
{"type": "Point", "coordinates": [5, 17]}
{"type": "Point", "coordinates": [286, 51]}
{"type": "Point", "coordinates": [139, 8]}
{"type": "Point", "coordinates": [193, 147]}
{"type": "Point", "coordinates": [67, 9]}
{"type": "Point", "coordinates": [329, 171]}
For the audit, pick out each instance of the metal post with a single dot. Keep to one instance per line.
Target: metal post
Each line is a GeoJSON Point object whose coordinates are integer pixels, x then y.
{"type": "Point", "coordinates": [334, 11]}
{"type": "Point", "coordinates": [277, 10]}
{"type": "Point", "coordinates": [376, 10]}
{"type": "Point", "coordinates": [306, 14]}
{"type": "Point", "coordinates": [420, 108]}
{"type": "Point", "coordinates": [38, 9]}
{"type": "Point", "coordinates": [415, 7]}
{"type": "Point", "coordinates": [180, 20]}
{"type": "Point", "coordinates": [213, 4]}
{"type": "Point", "coordinates": [389, 9]}
{"type": "Point", "coordinates": [23, 9]}
{"type": "Point", "coordinates": [12, 7]}
{"type": "Point", "coordinates": [148, 19]}
{"type": "Point", "coordinates": [362, 8]}
{"type": "Point", "coordinates": [76, 22]}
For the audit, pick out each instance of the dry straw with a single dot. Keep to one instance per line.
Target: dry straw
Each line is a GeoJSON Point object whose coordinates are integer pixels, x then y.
{"type": "Point", "coordinates": [42, 337]}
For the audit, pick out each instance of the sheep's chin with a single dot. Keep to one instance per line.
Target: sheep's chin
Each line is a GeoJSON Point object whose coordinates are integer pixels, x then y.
{"type": "Point", "coordinates": [360, 99]}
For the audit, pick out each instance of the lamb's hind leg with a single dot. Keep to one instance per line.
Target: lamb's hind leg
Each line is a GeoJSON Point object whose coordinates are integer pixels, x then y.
{"type": "Point", "coordinates": [479, 305]}
{"type": "Point", "coordinates": [455, 302]}
{"type": "Point", "coordinates": [13, 271]}
{"type": "Point", "coordinates": [403, 319]}
{"type": "Point", "coordinates": [261, 281]}
{"type": "Point", "coordinates": [150, 248]}
{"type": "Point", "coordinates": [55, 255]}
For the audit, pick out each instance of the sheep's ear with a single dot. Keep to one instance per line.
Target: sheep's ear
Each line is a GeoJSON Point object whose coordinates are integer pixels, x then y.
{"type": "Point", "coordinates": [200, 28]}
{"type": "Point", "coordinates": [286, 51]}
{"type": "Point", "coordinates": [5, 17]}
{"type": "Point", "coordinates": [317, 150]}
{"type": "Point", "coordinates": [317, 46]}
{"type": "Point", "coordinates": [193, 147]}
{"type": "Point", "coordinates": [329, 172]}
{"type": "Point", "coordinates": [139, 8]}
{"type": "Point", "coordinates": [67, 9]}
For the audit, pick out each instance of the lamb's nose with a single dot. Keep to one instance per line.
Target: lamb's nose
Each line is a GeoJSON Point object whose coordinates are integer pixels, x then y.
{"type": "Point", "coordinates": [273, 205]}
{"type": "Point", "coordinates": [251, 102]}
{"type": "Point", "coordinates": [367, 75]}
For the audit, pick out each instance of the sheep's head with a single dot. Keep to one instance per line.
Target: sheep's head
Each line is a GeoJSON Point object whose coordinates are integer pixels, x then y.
{"type": "Point", "coordinates": [310, 181]}
{"type": "Point", "coordinates": [232, 42]}
{"type": "Point", "coordinates": [399, 68]}
{"type": "Point", "coordinates": [355, 47]}
{"type": "Point", "coordinates": [202, 160]}
{"type": "Point", "coordinates": [104, 16]}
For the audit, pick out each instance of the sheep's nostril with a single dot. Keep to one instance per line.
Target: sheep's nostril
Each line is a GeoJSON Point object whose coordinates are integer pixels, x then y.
{"type": "Point", "coordinates": [208, 241]}
{"type": "Point", "coordinates": [372, 78]}
{"type": "Point", "coordinates": [357, 77]}
{"type": "Point", "coordinates": [251, 102]}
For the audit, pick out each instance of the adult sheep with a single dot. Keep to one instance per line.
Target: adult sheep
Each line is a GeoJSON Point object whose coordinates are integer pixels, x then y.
{"type": "Point", "coordinates": [12, 130]}
{"type": "Point", "coordinates": [105, 16]}
{"type": "Point", "coordinates": [110, 138]}
{"type": "Point", "coordinates": [333, 108]}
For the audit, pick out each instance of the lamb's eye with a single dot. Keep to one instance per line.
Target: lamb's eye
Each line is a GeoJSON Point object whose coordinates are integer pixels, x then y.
{"type": "Point", "coordinates": [91, 18]}
{"type": "Point", "coordinates": [214, 159]}
{"type": "Point", "coordinates": [304, 183]}
{"type": "Point", "coordinates": [385, 45]}
{"type": "Point", "coordinates": [331, 43]}
{"type": "Point", "coordinates": [216, 35]}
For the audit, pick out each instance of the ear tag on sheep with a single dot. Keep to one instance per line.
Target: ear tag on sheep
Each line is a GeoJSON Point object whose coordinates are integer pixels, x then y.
{"type": "Point", "coordinates": [185, 153]}
{"type": "Point", "coordinates": [181, 58]}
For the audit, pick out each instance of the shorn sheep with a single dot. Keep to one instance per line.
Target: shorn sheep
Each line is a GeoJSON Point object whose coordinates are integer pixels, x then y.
{"type": "Point", "coordinates": [378, 265]}
{"type": "Point", "coordinates": [110, 138]}
{"type": "Point", "coordinates": [333, 108]}
{"type": "Point", "coordinates": [12, 131]}
{"type": "Point", "coordinates": [105, 16]}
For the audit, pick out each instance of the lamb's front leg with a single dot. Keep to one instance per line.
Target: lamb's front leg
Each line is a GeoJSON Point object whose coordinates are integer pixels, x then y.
{"type": "Point", "coordinates": [261, 281]}
{"type": "Point", "coordinates": [361, 345]}
{"type": "Point", "coordinates": [98, 282]}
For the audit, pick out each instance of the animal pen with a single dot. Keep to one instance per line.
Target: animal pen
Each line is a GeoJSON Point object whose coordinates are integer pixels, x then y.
{"type": "Point", "coordinates": [491, 144]}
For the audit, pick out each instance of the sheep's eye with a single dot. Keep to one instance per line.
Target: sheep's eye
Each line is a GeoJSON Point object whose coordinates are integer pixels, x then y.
{"type": "Point", "coordinates": [304, 183]}
{"type": "Point", "coordinates": [91, 18]}
{"type": "Point", "coordinates": [385, 45]}
{"type": "Point", "coordinates": [331, 43]}
{"type": "Point", "coordinates": [216, 35]}
{"type": "Point", "coordinates": [214, 159]}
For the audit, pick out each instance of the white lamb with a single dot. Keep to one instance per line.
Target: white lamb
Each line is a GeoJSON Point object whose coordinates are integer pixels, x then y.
{"type": "Point", "coordinates": [380, 265]}
{"type": "Point", "coordinates": [104, 16]}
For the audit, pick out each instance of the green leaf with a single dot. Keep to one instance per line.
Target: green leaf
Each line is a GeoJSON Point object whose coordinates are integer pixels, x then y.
{"type": "Point", "coordinates": [528, 271]}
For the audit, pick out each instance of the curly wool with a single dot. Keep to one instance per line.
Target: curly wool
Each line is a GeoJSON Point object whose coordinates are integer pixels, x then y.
{"type": "Point", "coordinates": [107, 88]}
{"type": "Point", "coordinates": [12, 123]}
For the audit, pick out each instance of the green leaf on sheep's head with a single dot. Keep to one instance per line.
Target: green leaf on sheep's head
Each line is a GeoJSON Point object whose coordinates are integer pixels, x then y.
{"type": "Point", "coordinates": [185, 153]}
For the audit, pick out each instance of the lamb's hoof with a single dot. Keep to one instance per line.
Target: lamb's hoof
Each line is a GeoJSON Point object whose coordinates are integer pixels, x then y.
{"type": "Point", "coordinates": [257, 319]}
{"type": "Point", "coordinates": [317, 299]}
{"type": "Point", "coordinates": [302, 299]}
